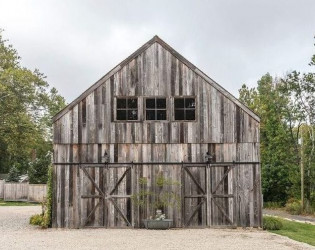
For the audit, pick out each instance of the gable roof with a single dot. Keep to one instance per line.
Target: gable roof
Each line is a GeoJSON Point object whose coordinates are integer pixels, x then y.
{"type": "Point", "coordinates": [156, 39]}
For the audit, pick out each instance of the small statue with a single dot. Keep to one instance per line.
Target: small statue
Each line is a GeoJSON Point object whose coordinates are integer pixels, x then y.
{"type": "Point", "coordinates": [159, 215]}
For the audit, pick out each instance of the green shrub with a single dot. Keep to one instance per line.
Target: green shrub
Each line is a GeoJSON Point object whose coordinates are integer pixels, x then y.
{"type": "Point", "coordinates": [159, 198]}
{"type": "Point", "coordinates": [309, 207]}
{"type": "Point", "coordinates": [48, 210]}
{"type": "Point", "coordinates": [292, 200]}
{"type": "Point", "coordinates": [44, 219]}
{"type": "Point", "coordinates": [14, 175]}
{"type": "Point", "coordinates": [273, 204]}
{"type": "Point", "coordinates": [36, 219]}
{"type": "Point", "coordinates": [293, 206]}
{"type": "Point", "coordinates": [38, 169]}
{"type": "Point", "coordinates": [271, 223]}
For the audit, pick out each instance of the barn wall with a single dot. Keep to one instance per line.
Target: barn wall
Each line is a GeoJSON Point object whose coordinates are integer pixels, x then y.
{"type": "Point", "coordinates": [70, 210]}
{"type": "Point", "coordinates": [156, 72]}
{"type": "Point", "coordinates": [89, 129]}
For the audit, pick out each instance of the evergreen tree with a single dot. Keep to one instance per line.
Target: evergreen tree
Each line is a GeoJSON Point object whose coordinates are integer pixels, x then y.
{"type": "Point", "coordinates": [14, 175]}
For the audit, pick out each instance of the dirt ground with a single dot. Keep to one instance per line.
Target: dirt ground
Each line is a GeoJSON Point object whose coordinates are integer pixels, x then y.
{"type": "Point", "coordinates": [16, 233]}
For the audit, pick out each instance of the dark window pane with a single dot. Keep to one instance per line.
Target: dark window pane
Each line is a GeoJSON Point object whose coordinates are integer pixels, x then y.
{"type": "Point", "coordinates": [161, 115]}
{"type": "Point", "coordinates": [121, 103]}
{"type": "Point", "coordinates": [161, 103]}
{"type": "Point", "coordinates": [121, 115]}
{"type": "Point", "coordinates": [132, 103]}
{"type": "Point", "coordinates": [150, 103]}
{"type": "Point", "coordinates": [179, 103]}
{"type": "Point", "coordinates": [190, 114]}
{"type": "Point", "coordinates": [133, 114]}
{"type": "Point", "coordinates": [150, 115]}
{"type": "Point", "coordinates": [190, 103]}
{"type": "Point", "coordinates": [179, 114]}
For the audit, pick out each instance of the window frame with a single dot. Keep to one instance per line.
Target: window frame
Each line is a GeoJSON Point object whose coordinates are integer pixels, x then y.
{"type": "Point", "coordinates": [116, 109]}
{"type": "Point", "coordinates": [155, 109]}
{"type": "Point", "coordinates": [174, 108]}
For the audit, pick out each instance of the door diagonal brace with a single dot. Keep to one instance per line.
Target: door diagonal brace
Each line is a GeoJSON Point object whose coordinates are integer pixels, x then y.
{"type": "Point", "coordinates": [194, 180]}
{"type": "Point", "coordinates": [223, 178]}
{"type": "Point", "coordinates": [194, 212]}
{"type": "Point", "coordinates": [120, 180]}
{"type": "Point", "coordinates": [222, 211]}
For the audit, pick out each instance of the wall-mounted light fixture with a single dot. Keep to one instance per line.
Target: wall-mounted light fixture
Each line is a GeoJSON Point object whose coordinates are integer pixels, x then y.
{"type": "Point", "coordinates": [208, 157]}
{"type": "Point", "coordinates": [106, 157]}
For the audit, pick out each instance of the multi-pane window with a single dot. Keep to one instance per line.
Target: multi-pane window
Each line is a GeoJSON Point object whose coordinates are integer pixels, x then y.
{"type": "Point", "coordinates": [184, 108]}
{"type": "Point", "coordinates": [127, 109]}
{"type": "Point", "coordinates": [155, 109]}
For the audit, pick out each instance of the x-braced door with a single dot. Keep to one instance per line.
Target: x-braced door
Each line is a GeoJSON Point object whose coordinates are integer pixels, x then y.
{"type": "Point", "coordinates": [106, 193]}
{"type": "Point", "coordinates": [222, 195]}
{"type": "Point", "coordinates": [194, 195]}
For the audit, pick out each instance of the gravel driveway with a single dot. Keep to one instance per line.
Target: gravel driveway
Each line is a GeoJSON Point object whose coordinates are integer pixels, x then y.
{"type": "Point", "coordinates": [15, 233]}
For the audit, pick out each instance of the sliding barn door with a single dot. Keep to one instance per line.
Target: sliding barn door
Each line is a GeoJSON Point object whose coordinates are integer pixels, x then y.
{"type": "Point", "coordinates": [105, 196]}
{"type": "Point", "coordinates": [222, 196]}
{"type": "Point", "coordinates": [194, 195]}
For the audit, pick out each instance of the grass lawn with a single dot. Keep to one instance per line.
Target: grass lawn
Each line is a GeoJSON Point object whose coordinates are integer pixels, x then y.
{"type": "Point", "coordinates": [297, 231]}
{"type": "Point", "coordinates": [17, 203]}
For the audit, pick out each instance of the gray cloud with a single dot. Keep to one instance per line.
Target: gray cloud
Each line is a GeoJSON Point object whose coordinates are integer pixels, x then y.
{"type": "Point", "coordinates": [76, 42]}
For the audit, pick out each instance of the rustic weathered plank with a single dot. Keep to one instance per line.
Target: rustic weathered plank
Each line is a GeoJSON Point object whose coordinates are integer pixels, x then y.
{"type": "Point", "coordinates": [218, 118]}
{"type": "Point", "coordinates": [226, 195]}
{"type": "Point", "coordinates": [229, 187]}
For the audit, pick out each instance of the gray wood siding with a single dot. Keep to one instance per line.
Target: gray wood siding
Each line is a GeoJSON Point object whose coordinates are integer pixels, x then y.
{"type": "Point", "coordinates": [156, 72]}
{"type": "Point", "coordinates": [227, 195]}
{"type": "Point", "coordinates": [243, 182]}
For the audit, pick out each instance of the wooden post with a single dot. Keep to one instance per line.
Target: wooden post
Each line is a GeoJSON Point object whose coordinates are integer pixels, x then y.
{"type": "Point", "coordinates": [208, 192]}
{"type": "Point", "coordinates": [302, 171]}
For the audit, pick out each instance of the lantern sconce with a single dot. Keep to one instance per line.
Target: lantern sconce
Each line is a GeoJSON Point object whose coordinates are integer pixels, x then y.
{"type": "Point", "coordinates": [106, 157]}
{"type": "Point", "coordinates": [208, 157]}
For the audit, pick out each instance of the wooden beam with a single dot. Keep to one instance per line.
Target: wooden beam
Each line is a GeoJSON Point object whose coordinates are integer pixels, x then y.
{"type": "Point", "coordinates": [120, 180]}
{"type": "Point", "coordinates": [223, 195]}
{"type": "Point", "coordinates": [221, 181]}
{"type": "Point", "coordinates": [195, 196]}
{"type": "Point", "coordinates": [91, 179]}
{"type": "Point", "coordinates": [120, 196]}
{"type": "Point", "coordinates": [90, 214]}
{"type": "Point", "coordinates": [194, 212]}
{"type": "Point", "coordinates": [92, 196]}
{"type": "Point", "coordinates": [120, 212]}
{"type": "Point", "coordinates": [194, 180]}
{"type": "Point", "coordinates": [222, 211]}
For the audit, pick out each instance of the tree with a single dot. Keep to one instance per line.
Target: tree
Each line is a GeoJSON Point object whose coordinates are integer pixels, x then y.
{"type": "Point", "coordinates": [37, 170]}
{"type": "Point", "coordinates": [286, 107]}
{"type": "Point", "coordinates": [300, 89]}
{"type": "Point", "coordinates": [276, 151]}
{"type": "Point", "coordinates": [14, 175]}
{"type": "Point", "coordinates": [27, 105]}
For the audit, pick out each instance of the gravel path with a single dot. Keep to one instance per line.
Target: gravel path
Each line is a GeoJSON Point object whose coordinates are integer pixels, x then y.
{"type": "Point", "coordinates": [15, 233]}
{"type": "Point", "coordinates": [284, 214]}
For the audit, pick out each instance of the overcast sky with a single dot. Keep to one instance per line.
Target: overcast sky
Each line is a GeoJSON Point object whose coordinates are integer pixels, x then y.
{"type": "Point", "coordinates": [74, 43]}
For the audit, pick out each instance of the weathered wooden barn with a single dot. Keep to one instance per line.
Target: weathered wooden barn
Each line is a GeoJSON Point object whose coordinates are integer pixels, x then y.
{"type": "Point", "coordinates": [156, 114]}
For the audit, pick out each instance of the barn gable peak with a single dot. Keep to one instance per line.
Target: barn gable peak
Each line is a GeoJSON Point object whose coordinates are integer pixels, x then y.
{"type": "Point", "coordinates": [158, 40]}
